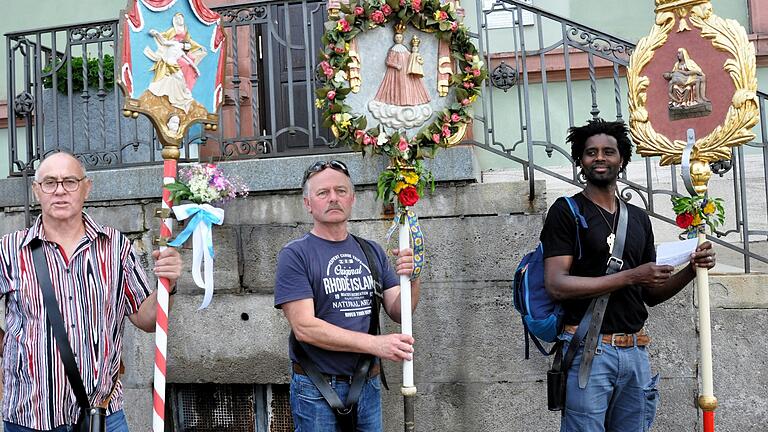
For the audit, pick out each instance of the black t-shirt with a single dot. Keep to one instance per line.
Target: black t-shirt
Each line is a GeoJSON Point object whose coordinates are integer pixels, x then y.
{"type": "Point", "coordinates": [626, 312]}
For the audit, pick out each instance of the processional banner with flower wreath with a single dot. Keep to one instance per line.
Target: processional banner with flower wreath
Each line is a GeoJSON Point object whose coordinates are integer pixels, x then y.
{"type": "Point", "coordinates": [398, 78]}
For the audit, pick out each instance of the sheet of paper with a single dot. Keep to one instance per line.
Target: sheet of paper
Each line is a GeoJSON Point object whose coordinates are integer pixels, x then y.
{"type": "Point", "coordinates": [675, 253]}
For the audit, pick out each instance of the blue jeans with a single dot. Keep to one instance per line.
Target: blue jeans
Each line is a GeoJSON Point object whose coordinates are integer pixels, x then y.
{"type": "Point", "coordinates": [311, 412]}
{"type": "Point", "coordinates": [621, 395]}
{"type": "Point", "coordinates": [115, 423]}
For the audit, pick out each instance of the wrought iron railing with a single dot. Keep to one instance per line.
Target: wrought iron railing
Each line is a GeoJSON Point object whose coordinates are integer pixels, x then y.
{"type": "Point", "coordinates": [549, 73]}
{"type": "Point", "coordinates": [61, 84]}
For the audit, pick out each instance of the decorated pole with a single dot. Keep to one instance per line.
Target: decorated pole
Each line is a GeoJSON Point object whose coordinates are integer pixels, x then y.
{"type": "Point", "coordinates": [406, 121]}
{"type": "Point", "coordinates": [694, 72]}
{"type": "Point", "coordinates": [172, 74]}
{"type": "Point", "coordinates": [409, 388]}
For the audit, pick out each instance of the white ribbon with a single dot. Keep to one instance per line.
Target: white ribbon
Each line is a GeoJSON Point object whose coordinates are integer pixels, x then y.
{"type": "Point", "coordinates": [199, 227]}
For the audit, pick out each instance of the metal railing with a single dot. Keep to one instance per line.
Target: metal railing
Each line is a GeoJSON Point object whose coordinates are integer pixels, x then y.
{"type": "Point", "coordinates": [548, 73]}
{"type": "Point", "coordinates": [61, 85]}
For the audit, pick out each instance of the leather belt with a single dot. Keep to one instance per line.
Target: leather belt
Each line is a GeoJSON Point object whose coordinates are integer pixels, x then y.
{"type": "Point", "coordinates": [621, 340]}
{"type": "Point", "coordinates": [374, 371]}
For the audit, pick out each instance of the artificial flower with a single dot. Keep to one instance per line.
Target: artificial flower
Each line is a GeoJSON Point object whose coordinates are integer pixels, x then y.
{"type": "Point", "coordinates": [683, 220]}
{"type": "Point", "coordinates": [410, 177]}
{"type": "Point", "coordinates": [408, 196]}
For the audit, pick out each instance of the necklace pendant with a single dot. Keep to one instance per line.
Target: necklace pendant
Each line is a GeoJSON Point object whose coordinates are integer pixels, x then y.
{"type": "Point", "coordinates": [610, 239]}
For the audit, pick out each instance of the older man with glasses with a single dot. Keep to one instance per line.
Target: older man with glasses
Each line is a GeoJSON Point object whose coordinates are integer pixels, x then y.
{"type": "Point", "coordinates": [96, 279]}
{"type": "Point", "coordinates": [330, 285]}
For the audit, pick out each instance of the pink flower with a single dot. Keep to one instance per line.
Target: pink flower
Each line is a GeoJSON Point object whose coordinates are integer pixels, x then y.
{"type": "Point", "coordinates": [416, 5]}
{"type": "Point", "coordinates": [377, 17]}
{"type": "Point", "coordinates": [455, 117]}
{"type": "Point", "coordinates": [359, 10]}
{"type": "Point", "coordinates": [332, 95]}
{"type": "Point", "coordinates": [469, 84]}
{"type": "Point", "coordinates": [367, 140]}
{"type": "Point", "coordinates": [442, 16]}
{"type": "Point", "coordinates": [465, 102]}
{"type": "Point", "coordinates": [403, 144]}
{"type": "Point", "coordinates": [345, 25]}
{"type": "Point", "coordinates": [387, 9]}
{"type": "Point", "coordinates": [327, 69]}
{"type": "Point", "coordinates": [454, 26]}
{"type": "Point", "coordinates": [446, 131]}
{"type": "Point", "coordinates": [476, 72]}
{"type": "Point", "coordinates": [339, 50]}
{"type": "Point", "coordinates": [359, 134]}
{"type": "Point", "coordinates": [402, 2]}
{"type": "Point", "coordinates": [436, 138]}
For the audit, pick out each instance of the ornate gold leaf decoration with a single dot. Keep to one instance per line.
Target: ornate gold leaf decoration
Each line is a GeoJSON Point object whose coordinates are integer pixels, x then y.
{"type": "Point", "coordinates": [726, 35]}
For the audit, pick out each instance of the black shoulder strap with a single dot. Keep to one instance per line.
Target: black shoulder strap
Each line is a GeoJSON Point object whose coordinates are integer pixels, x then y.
{"type": "Point", "coordinates": [53, 314]}
{"type": "Point", "coordinates": [589, 327]}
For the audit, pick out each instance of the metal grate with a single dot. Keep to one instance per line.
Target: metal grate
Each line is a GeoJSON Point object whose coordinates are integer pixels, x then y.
{"type": "Point", "coordinates": [215, 408]}
{"type": "Point", "coordinates": [231, 408]}
{"type": "Point", "coordinates": [280, 419]}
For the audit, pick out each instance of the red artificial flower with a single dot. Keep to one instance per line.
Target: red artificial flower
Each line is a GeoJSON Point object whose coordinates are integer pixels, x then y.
{"type": "Point", "coordinates": [386, 9]}
{"type": "Point", "coordinates": [442, 16]}
{"type": "Point", "coordinates": [408, 196]}
{"type": "Point", "coordinates": [367, 139]}
{"type": "Point", "coordinates": [359, 134]}
{"type": "Point", "coordinates": [377, 17]}
{"type": "Point", "coordinates": [331, 95]}
{"type": "Point", "coordinates": [416, 4]}
{"type": "Point", "coordinates": [359, 10]}
{"type": "Point", "coordinates": [684, 220]}
{"type": "Point", "coordinates": [403, 144]}
{"type": "Point", "coordinates": [455, 118]}
{"type": "Point", "coordinates": [345, 27]}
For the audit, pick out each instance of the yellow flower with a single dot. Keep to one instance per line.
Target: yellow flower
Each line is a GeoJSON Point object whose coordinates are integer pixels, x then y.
{"type": "Point", "coordinates": [342, 120]}
{"type": "Point", "coordinates": [399, 186]}
{"type": "Point", "coordinates": [346, 47]}
{"type": "Point", "coordinates": [437, 15]}
{"type": "Point", "coordinates": [709, 208]}
{"type": "Point", "coordinates": [411, 177]}
{"type": "Point", "coordinates": [696, 220]}
{"type": "Point", "coordinates": [319, 103]}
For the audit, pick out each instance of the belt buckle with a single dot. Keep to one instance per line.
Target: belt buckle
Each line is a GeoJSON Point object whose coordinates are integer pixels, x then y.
{"type": "Point", "coordinates": [613, 338]}
{"type": "Point", "coordinates": [618, 263]}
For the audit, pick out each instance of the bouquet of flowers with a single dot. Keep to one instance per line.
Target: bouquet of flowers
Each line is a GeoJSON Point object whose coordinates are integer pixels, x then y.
{"type": "Point", "coordinates": [206, 184]}
{"type": "Point", "coordinates": [207, 187]}
{"type": "Point", "coordinates": [696, 211]}
{"type": "Point", "coordinates": [406, 181]}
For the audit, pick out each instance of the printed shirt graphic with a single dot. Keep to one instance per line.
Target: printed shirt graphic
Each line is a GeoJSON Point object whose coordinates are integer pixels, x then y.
{"type": "Point", "coordinates": [336, 275]}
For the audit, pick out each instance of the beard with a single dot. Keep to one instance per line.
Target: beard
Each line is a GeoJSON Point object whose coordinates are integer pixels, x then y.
{"type": "Point", "coordinates": [603, 179]}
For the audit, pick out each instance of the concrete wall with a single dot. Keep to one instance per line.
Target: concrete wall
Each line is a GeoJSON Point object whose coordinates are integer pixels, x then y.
{"type": "Point", "coordinates": [470, 370]}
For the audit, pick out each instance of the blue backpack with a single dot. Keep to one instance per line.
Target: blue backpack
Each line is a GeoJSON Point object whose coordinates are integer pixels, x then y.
{"type": "Point", "coordinates": [542, 316]}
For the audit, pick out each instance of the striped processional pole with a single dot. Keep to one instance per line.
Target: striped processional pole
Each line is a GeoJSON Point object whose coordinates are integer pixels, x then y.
{"type": "Point", "coordinates": [170, 156]}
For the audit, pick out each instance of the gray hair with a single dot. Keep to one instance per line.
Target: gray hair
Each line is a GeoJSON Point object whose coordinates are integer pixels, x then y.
{"type": "Point", "coordinates": [305, 188]}
{"type": "Point", "coordinates": [79, 162]}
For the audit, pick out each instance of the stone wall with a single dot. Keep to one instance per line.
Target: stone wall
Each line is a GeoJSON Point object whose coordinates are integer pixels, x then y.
{"type": "Point", "coordinates": [470, 369]}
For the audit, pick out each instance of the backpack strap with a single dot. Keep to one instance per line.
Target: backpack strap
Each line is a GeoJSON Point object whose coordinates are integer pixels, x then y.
{"type": "Point", "coordinates": [578, 218]}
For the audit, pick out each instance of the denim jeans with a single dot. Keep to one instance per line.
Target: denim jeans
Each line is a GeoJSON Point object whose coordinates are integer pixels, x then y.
{"type": "Point", "coordinates": [311, 412]}
{"type": "Point", "coordinates": [115, 423]}
{"type": "Point", "coordinates": [621, 395]}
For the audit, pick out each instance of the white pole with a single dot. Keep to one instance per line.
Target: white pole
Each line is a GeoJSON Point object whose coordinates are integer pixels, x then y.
{"type": "Point", "coordinates": [406, 321]}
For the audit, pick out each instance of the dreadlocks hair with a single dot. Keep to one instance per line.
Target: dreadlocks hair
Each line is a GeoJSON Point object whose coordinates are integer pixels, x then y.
{"type": "Point", "coordinates": [578, 136]}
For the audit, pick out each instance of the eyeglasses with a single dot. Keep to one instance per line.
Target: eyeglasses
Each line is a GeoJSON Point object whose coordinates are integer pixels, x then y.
{"type": "Point", "coordinates": [69, 184]}
{"type": "Point", "coordinates": [321, 165]}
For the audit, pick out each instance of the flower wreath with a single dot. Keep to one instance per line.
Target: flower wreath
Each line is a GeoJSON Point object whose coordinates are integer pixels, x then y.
{"type": "Point", "coordinates": [696, 212]}
{"type": "Point", "coordinates": [406, 177]}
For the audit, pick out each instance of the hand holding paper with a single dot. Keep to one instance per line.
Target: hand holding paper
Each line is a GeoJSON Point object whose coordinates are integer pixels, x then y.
{"type": "Point", "coordinates": [675, 253]}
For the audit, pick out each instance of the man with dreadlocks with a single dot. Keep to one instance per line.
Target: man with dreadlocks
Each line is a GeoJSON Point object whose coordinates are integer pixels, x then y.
{"type": "Point", "coordinates": [618, 392]}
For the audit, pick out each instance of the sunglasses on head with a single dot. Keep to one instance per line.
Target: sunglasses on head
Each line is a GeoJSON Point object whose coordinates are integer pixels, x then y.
{"type": "Point", "coordinates": [321, 165]}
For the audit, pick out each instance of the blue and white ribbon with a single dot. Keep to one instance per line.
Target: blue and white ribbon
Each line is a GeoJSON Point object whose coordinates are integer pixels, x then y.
{"type": "Point", "coordinates": [199, 227]}
{"type": "Point", "coordinates": [416, 238]}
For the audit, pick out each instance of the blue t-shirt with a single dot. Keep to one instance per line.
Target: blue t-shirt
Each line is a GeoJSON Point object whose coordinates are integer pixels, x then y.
{"type": "Point", "coordinates": [336, 275]}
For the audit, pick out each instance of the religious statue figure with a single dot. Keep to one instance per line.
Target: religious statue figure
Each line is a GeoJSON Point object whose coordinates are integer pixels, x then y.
{"type": "Point", "coordinates": [355, 80]}
{"type": "Point", "coordinates": [176, 59]}
{"type": "Point", "coordinates": [687, 88]}
{"type": "Point", "coordinates": [444, 68]}
{"type": "Point", "coordinates": [402, 100]}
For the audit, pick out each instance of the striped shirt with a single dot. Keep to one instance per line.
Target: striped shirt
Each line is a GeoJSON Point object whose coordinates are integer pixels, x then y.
{"type": "Point", "coordinates": [96, 288]}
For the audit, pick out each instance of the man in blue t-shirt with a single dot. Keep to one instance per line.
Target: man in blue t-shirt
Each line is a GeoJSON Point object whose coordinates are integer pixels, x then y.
{"type": "Point", "coordinates": [325, 288]}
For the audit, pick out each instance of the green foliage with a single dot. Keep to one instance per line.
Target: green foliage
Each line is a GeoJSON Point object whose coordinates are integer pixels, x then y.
{"type": "Point", "coordinates": [76, 63]}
